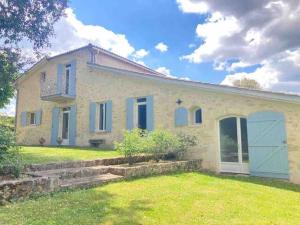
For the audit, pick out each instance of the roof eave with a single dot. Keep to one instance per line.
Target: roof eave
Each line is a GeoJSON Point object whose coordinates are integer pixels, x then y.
{"type": "Point", "coordinates": [275, 96]}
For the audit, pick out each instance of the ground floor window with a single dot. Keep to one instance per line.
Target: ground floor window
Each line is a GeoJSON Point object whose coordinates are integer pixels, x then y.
{"type": "Point", "coordinates": [141, 117]}
{"type": "Point", "coordinates": [198, 116]}
{"type": "Point", "coordinates": [65, 123]}
{"type": "Point", "coordinates": [233, 140]}
{"type": "Point", "coordinates": [32, 118]}
{"type": "Point", "coordinates": [102, 117]}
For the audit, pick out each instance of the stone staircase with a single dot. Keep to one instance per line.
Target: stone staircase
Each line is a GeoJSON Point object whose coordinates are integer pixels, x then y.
{"type": "Point", "coordinates": [80, 177]}
{"type": "Point", "coordinates": [52, 177]}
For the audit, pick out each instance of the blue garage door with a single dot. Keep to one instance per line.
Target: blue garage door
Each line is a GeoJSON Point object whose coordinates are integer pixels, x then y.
{"type": "Point", "coordinates": [268, 153]}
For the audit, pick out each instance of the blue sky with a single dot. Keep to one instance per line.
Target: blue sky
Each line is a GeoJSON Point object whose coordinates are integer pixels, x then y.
{"type": "Point", "coordinates": [145, 24]}
{"type": "Point", "coordinates": [213, 41]}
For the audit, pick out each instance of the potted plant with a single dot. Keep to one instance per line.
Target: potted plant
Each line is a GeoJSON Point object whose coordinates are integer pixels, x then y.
{"type": "Point", "coordinates": [59, 140]}
{"type": "Point", "coordinates": [42, 141]}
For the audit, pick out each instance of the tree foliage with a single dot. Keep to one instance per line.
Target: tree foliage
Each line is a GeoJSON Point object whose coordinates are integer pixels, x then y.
{"type": "Point", "coordinates": [23, 20]}
{"type": "Point", "coordinates": [32, 20]}
{"type": "Point", "coordinates": [247, 83]}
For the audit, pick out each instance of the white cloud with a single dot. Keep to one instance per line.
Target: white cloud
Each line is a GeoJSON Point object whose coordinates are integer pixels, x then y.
{"type": "Point", "coordinates": [212, 32]}
{"type": "Point", "coordinates": [71, 33]}
{"type": "Point", "coordinates": [192, 6]}
{"type": "Point", "coordinates": [241, 34]}
{"type": "Point", "coordinates": [9, 110]}
{"type": "Point", "coordinates": [167, 72]}
{"type": "Point", "coordinates": [140, 53]}
{"type": "Point", "coordinates": [161, 47]}
{"type": "Point", "coordinates": [163, 70]}
{"type": "Point", "coordinates": [139, 62]}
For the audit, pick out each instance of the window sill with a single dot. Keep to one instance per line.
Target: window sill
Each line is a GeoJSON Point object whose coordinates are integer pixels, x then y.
{"type": "Point", "coordinates": [101, 131]}
{"type": "Point", "coordinates": [196, 125]}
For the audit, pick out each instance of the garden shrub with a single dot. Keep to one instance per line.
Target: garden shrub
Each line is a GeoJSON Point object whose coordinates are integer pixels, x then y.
{"type": "Point", "coordinates": [42, 141]}
{"type": "Point", "coordinates": [158, 143]}
{"type": "Point", "coordinates": [134, 142]}
{"type": "Point", "coordinates": [184, 142]}
{"type": "Point", "coordinates": [161, 142]}
{"type": "Point", "coordinates": [10, 159]}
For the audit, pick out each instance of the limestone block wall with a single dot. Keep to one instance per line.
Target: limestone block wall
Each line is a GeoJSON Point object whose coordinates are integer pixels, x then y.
{"type": "Point", "coordinates": [101, 86]}
{"type": "Point", "coordinates": [95, 85]}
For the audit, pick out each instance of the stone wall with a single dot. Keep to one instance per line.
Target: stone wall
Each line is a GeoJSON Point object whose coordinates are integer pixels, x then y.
{"type": "Point", "coordinates": [21, 189]}
{"type": "Point", "coordinates": [155, 168]}
{"type": "Point", "coordinates": [94, 85]}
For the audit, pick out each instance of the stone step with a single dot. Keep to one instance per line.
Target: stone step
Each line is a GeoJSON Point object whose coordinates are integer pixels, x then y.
{"type": "Point", "coordinates": [84, 182]}
{"type": "Point", "coordinates": [69, 173]}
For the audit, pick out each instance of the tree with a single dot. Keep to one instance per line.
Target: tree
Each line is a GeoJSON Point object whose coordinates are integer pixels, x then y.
{"type": "Point", "coordinates": [247, 83]}
{"type": "Point", "coordinates": [23, 20]}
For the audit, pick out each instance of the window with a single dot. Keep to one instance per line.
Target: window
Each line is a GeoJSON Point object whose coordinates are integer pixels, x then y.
{"type": "Point", "coordinates": [102, 116]}
{"type": "Point", "coordinates": [198, 116]}
{"type": "Point", "coordinates": [142, 113]}
{"type": "Point", "coordinates": [234, 140]}
{"type": "Point", "coordinates": [32, 119]}
{"type": "Point", "coordinates": [68, 69]}
{"type": "Point", "coordinates": [43, 76]}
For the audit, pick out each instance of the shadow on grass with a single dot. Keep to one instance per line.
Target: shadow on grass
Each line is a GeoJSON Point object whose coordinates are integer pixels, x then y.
{"type": "Point", "coordinates": [105, 207]}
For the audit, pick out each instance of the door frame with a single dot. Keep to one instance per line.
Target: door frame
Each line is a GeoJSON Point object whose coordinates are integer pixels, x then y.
{"type": "Point", "coordinates": [64, 141]}
{"type": "Point", "coordinates": [232, 167]}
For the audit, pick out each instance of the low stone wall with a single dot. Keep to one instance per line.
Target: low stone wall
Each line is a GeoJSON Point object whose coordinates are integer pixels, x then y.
{"type": "Point", "coordinates": [20, 189]}
{"type": "Point", "coordinates": [155, 168]}
{"type": "Point", "coordinates": [85, 163]}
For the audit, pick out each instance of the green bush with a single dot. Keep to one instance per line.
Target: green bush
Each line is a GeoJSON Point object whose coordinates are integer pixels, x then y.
{"type": "Point", "coordinates": [10, 159]}
{"type": "Point", "coordinates": [158, 143]}
{"type": "Point", "coordinates": [184, 142]}
{"type": "Point", "coordinates": [134, 142]}
{"type": "Point", "coordinates": [8, 122]}
{"type": "Point", "coordinates": [161, 142]}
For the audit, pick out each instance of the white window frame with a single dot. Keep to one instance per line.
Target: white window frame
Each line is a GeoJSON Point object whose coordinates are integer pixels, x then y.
{"type": "Point", "coordinates": [34, 118]}
{"type": "Point", "coordinates": [98, 129]}
{"type": "Point", "coordinates": [67, 81]}
{"type": "Point", "coordinates": [233, 167]}
{"type": "Point", "coordinates": [194, 116]}
{"type": "Point", "coordinates": [135, 113]}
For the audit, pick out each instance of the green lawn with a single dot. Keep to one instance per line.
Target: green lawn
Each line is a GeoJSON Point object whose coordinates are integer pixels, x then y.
{"type": "Point", "coordinates": [53, 154]}
{"type": "Point", "coordinates": [184, 198]}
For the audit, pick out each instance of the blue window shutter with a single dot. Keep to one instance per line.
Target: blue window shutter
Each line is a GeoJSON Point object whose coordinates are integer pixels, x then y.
{"type": "Point", "coordinates": [73, 78]}
{"type": "Point", "coordinates": [72, 125]}
{"type": "Point", "coordinates": [38, 117]}
{"type": "Point", "coordinates": [108, 116]}
{"type": "Point", "coordinates": [181, 117]}
{"type": "Point", "coordinates": [129, 113]}
{"type": "Point", "coordinates": [23, 119]}
{"type": "Point", "coordinates": [60, 71]}
{"type": "Point", "coordinates": [92, 116]}
{"type": "Point", "coordinates": [150, 116]}
{"type": "Point", "coordinates": [55, 125]}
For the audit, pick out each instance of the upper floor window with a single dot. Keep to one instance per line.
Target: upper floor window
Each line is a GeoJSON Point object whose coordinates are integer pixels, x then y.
{"type": "Point", "coordinates": [43, 76]}
{"type": "Point", "coordinates": [68, 71]}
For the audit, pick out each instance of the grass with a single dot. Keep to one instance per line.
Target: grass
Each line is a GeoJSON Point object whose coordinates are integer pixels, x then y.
{"type": "Point", "coordinates": [32, 155]}
{"type": "Point", "coordinates": [183, 198]}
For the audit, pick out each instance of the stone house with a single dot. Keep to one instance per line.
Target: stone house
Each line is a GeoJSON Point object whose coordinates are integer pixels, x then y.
{"type": "Point", "coordinates": [89, 95]}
